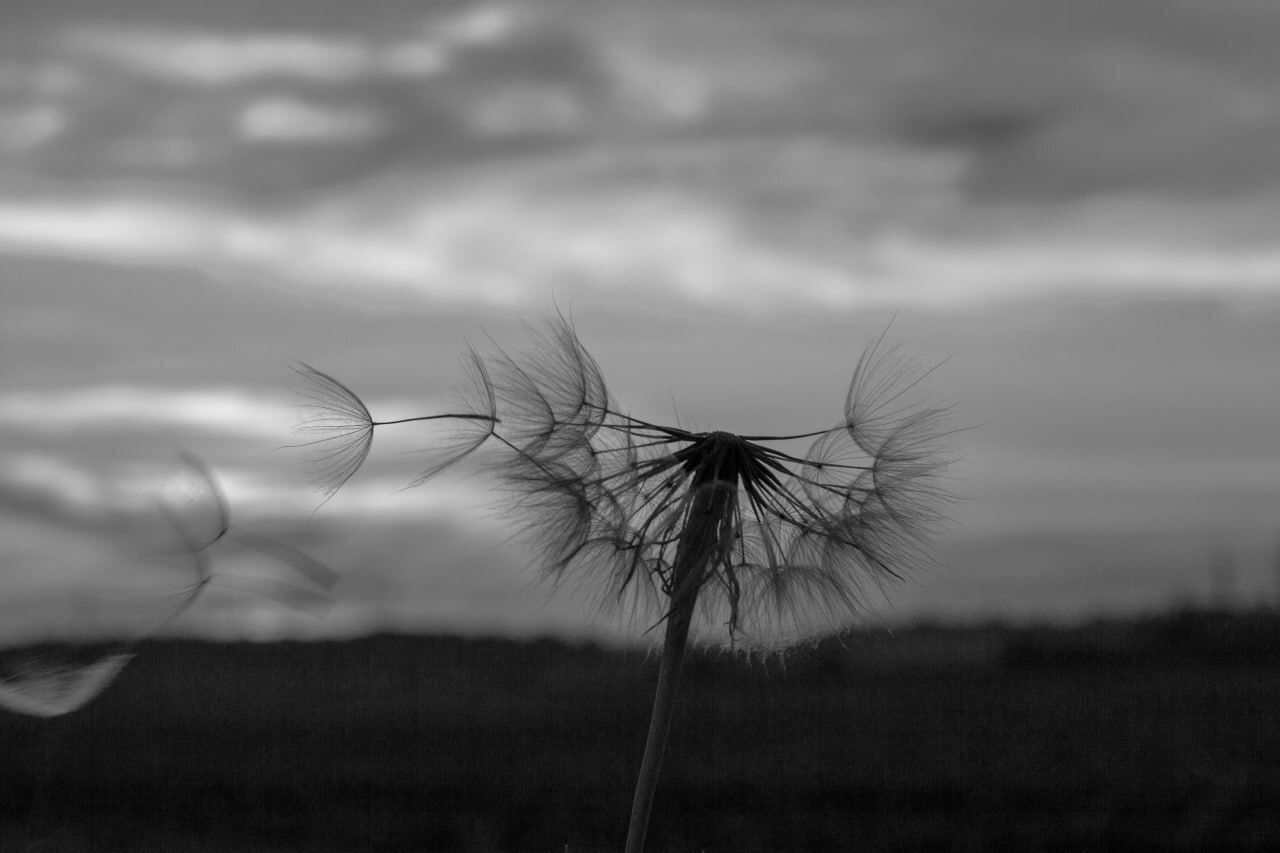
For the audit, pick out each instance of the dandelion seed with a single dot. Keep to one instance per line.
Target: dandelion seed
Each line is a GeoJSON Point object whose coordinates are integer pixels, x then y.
{"type": "Point", "coordinates": [146, 594]}
{"type": "Point", "coordinates": [468, 432]}
{"type": "Point", "coordinates": [344, 425]}
{"type": "Point", "coordinates": [191, 516]}
{"type": "Point", "coordinates": [703, 532]}
{"type": "Point", "coordinates": [51, 681]}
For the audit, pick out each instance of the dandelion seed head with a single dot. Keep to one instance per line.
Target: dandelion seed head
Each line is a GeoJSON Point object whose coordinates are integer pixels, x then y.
{"type": "Point", "coordinates": [774, 548]}
{"type": "Point", "coordinates": [793, 546]}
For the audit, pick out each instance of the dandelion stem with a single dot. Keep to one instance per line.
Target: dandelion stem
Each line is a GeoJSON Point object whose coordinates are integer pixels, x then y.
{"type": "Point", "coordinates": [673, 648]}
{"type": "Point", "coordinates": [709, 511]}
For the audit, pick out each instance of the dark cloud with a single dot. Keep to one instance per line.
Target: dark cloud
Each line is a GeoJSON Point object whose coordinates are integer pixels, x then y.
{"type": "Point", "coordinates": [138, 112]}
{"type": "Point", "coordinates": [273, 15]}
{"type": "Point", "coordinates": [1086, 99]}
{"type": "Point", "coordinates": [1045, 104]}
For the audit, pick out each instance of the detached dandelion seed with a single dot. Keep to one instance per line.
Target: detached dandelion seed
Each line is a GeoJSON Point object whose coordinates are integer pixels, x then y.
{"type": "Point", "coordinates": [190, 516]}
{"type": "Point", "coordinates": [344, 427]}
{"type": "Point", "coordinates": [49, 681]}
{"type": "Point", "coordinates": [703, 533]}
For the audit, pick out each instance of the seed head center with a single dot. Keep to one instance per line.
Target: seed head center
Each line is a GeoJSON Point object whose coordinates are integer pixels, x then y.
{"type": "Point", "coordinates": [717, 457]}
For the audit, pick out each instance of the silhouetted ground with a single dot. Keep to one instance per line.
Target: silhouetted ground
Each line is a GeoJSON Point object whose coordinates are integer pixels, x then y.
{"type": "Point", "coordinates": [1154, 734]}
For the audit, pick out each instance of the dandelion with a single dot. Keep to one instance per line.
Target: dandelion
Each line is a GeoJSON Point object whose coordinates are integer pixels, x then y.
{"type": "Point", "coordinates": [748, 537]}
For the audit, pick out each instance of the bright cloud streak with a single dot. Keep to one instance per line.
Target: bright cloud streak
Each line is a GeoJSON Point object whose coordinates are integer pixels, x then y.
{"type": "Point", "coordinates": [505, 249]}
{"type": "Point", "coordinates": [295, 120]}
{"type": "Point", "coordinates": [221, 59]}
{"type": "Point", "coordinates": [50, 480]}
{"type": "Point", "coordinates": [123, 229]}
{"type": "Point", "coordinates": [385, 499]}
{"type": "Point", "coordinates": [223, 411]}
{"type": "Point", "coordinates": [958, 274]}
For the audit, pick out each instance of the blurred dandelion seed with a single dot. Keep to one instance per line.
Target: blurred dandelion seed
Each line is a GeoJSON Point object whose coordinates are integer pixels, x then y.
{"type": "Point", "coordinates": [190, 516]}
{"type": "Point", "coordinates": [713, 532]}
{"type": "Point", "coordinates": [49, 682]}
{"type": "Point", "coordinates": [345, 427]}
{"type": "Point", "coordinates": [52, 680]}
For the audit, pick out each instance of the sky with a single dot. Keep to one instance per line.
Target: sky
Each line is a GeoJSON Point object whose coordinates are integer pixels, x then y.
{"type": "Point", "coordinates": [1068, 208]}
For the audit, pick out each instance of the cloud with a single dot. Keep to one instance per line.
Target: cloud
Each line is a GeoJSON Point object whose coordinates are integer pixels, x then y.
{"type": "Point", "coordinates": [793, 170]}
{"type": "Point", "coordinates": [30, 127]}
{"type": "Point", "coordinates": [51, 487]}
{"type": "Point", "coordinates": [228, 57]}
{"type": "Point", "coordinates": [92, 451]}
{"type": "Point", "coordinates": [245, 111]}
{"type": "Point", "coordinates": [293, 120]}
{"type": "Point", "coordinates": [213, 59]}
{"type": "Point", "coordinates": [115, 406]}
{"type": "Point", "coordinates": [1042, 108]}
{"type": "Point", "coordinates": [109, 228]}
{"type": "Point", "coordinates": [1012, 269]}
{"type": "Point", "coordinates": [479, 244]}
{"type": "Point", "coordinates": [231, 412]}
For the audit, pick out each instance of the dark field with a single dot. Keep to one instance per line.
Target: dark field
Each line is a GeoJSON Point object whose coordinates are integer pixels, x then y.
{"type": "Point", "coordinates": [1160, 734]}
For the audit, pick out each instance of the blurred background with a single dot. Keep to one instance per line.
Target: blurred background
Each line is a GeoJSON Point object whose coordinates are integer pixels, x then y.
{"type": "Point", "coordinates": [1071, 207]}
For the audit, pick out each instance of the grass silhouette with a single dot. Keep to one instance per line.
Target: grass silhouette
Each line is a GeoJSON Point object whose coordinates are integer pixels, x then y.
{"type": "Point", "coordinates": [1150, 733]}
{"type": "Point", "coordinates": [709, 533]}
